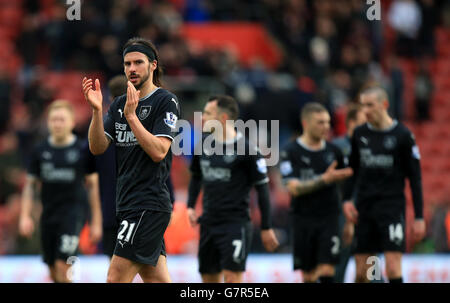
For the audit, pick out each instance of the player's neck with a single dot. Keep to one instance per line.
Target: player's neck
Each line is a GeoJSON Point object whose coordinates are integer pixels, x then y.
{"type": "Point", "coordinates": [228, 134]}
{"type": "Point", "coordinates": [384, 123]}
{"type": "Point", "coordinates": [147, 88]}
{"type": "Point", "coordinates": [311, 143]}
{"type": "Point", "coordinates": [64, 141]}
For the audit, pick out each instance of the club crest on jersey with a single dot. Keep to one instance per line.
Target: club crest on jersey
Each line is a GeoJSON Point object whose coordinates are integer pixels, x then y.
{"type": "Point", "coordinates": [390, 142]}
{"type": "Point", "coordinates": [171, 120]}
{"type": "Point", "coordinates": [46, 155]}
{"type": "Point", "coordinates": [72, 156]}
{"type": "Point", "coordinates": [144, 111]}
{"type": "Point", "coordinates": [329, 157]}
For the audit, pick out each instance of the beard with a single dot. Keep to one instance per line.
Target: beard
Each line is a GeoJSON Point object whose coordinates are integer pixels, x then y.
{"type": "Point", "coordinates": [144, 79]}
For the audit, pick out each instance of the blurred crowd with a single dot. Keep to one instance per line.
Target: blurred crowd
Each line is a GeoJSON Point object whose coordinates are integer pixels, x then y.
{"type": "Point", "coordinates": [329, 51]}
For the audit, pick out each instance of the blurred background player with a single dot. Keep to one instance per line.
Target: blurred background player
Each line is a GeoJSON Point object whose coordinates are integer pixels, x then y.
{"type": "Point", "coordinates": [310, 168]}
{"type": "Point", "coordinates": [384, 153]}
{"type": "Point", "coordinates": [59, 166]}
{"type": "Point", "coordinates": [355, 117]}
{"type": "Point", "coordinates": [142, 125]}
{"type": "Point", "coordinates": [226, 179]}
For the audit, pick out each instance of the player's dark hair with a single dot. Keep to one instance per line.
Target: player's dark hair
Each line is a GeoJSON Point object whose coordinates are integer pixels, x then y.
{"type": "Point", "coordinates": [117, 86]}
{"type": "Point", "coordinates": [352, 113]}
{"type": "Point", "coordinates": [157, 73]}
{"type": "Point", "coordinates": [227, 104]}
{"type": "Point", "coordinates": [310, 108]}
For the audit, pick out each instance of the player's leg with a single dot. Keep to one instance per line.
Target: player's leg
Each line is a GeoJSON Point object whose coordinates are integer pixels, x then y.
{"type": "Point", "coordinates": [122, 270]}
{"type": "Point", "coordinates": [233, 276]}
{"type": "Point", "coordinates": [326, 273]}
{"type": "Point", "coordinates": [304, 248]}
{"type": "Point", "coordinates": [52, 271]}
{"type": "Point", "coordinates": [140, 244]}
{"type": "Point", "coordinates": [328, 248]}
{"type": "Point", "coordinates": [156, 274]}
{"type": "Point", "coordinates": [367, 243]}
{"type": "Point", "coordinates": [392, 229]}
{"type": "Point", "coordinates": [361, 267]}
{"type": "Point", "coordinates": [209, 255]}
{"type": "Point", "coordinates": [309, 276]}
{"type": "Point", "coordinates": [234, 242]}
{"type": "Point", "coordinates": [212, 278]}
{"type": "Point", "coordinates": [61, 271]}
{"type": "Point", "coordinates": [345, 254]}
{"type": "Point", "coordinates": [393, 261]}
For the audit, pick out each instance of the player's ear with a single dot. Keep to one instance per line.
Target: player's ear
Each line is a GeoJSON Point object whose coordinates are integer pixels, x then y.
{"type": "Point", "coordinates": [385, 104]}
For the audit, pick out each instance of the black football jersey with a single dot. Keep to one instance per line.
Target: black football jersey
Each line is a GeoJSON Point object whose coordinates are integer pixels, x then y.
{"type": "Point", "coordinates": [61, 171]}
{"type": "Point", "coordinates": [228, 178]}
{"type": "Point", "coordinates": [381, 160]}
{"type": "Point", "coordinates": [141, 183]}
{"type": "Point", "coordinates": [300, 162]}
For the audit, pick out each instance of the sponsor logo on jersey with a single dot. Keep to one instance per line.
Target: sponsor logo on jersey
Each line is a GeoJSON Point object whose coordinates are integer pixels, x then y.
{"type": "Point", "coordinates": [214, 173]}
{"type": "Point", "coordinates": [50, 173]}
{"type": "Point", "coordinates": [120, 112]}
{"type": "Point", "coordinates": [124, 137]}
{"type": "Point", "coordinates": [144, 112]}
{"type": "Point", "coordinates": [375, 161]}
{"type": "Point", "coordinates": [171, 120]}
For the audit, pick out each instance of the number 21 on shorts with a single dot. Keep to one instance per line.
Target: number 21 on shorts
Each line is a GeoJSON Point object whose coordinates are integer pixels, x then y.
{"type": "Point", "coordinates": [127, 228]}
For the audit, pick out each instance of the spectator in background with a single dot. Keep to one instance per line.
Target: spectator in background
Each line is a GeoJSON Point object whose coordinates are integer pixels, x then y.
{"type": "Point", "coordinates": [5, 101]}
{"type": "Point", "coordinates": [406, 18]}
{"type": "Point", "coordinates": [396, 87]}
{"type": "Point", "coordinates": [423, 90]}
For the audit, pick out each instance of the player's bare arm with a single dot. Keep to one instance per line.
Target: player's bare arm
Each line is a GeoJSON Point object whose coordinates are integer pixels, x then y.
{"type": "Point", "coordinates": [26, 223]}
{"type": "Point", "coordinates": [98, 141]}
{"type": "Point", "coordinates": [298, 187]}
{"type": "Point", "coordinates": [96, 229]}
{"type": "Point", "coordinates": [155, 147]}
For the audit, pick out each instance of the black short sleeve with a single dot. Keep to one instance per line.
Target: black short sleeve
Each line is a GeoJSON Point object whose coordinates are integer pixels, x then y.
{"type": "Point", "coordinates": [167, 117]}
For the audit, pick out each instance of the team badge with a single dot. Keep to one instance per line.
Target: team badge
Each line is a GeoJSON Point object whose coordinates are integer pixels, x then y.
{"type": "Point", "coordinates": [72, 156]}
{"type": "Point", "coordinates": [390, 142]}
{"type": "Point", "coordinates": [144, 111]}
